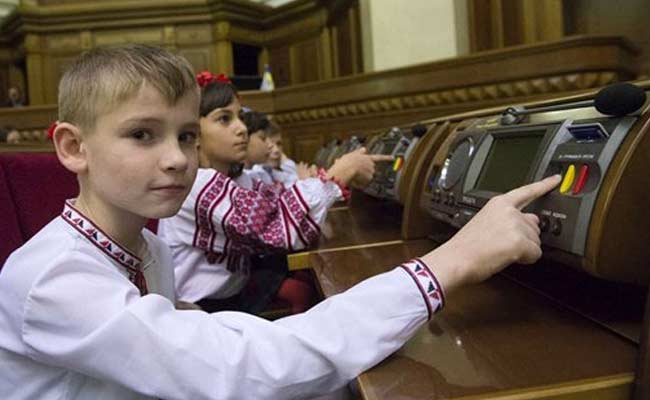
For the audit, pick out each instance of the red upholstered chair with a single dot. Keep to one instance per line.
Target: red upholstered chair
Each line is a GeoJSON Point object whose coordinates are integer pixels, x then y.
{"type": "Point", "coordinates": [38, 185]}
{"type": "Point", "coordinates": [10, 234]}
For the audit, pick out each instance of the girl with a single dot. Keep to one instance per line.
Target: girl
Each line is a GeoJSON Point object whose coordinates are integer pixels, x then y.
{"type": "Point", "coordinates": [223, 221]}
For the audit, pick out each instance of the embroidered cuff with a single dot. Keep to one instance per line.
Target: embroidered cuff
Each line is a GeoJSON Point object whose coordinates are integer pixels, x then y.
{"type": "Point", "coordinates": [431, 291]}
{"type": "Point", "coordinates": [345, 191]}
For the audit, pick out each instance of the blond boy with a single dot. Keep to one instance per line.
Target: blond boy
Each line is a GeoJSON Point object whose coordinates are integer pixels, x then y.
{"type": "Point", "coordinates": [87, 305]}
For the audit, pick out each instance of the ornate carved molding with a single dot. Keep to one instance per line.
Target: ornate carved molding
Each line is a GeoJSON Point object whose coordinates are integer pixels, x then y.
{"type": "Point", "coordinates": [455, 96]}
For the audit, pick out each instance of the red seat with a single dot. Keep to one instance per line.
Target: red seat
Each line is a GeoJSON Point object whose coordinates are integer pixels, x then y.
{"type": "Point", "coordinates": [39, 185]}
{"type": "Point", "coordinates": [10, 234]}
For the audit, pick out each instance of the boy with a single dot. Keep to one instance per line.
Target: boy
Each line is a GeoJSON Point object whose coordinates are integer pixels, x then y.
{"type": "Point", "coordinates": [86, 305]}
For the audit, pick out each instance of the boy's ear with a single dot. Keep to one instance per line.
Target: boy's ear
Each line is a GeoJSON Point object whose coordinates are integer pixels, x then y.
{"type": "Point", "coordinates": [68, 142]}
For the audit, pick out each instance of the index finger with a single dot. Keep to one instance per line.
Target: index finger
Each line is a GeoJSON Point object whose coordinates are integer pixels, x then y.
{"type": "Point", "coordinates": [381, 157]}
{"type": "Point", "coordinates": [524, 195]}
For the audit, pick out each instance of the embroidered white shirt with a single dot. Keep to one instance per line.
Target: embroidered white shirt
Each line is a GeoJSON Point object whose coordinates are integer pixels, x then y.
{"type": "Point", "coordinates": [75, 327]}
{"type": "Point", "coordinates": [221, 223]}
{"type": "Point", "coordinates": [287, 174]}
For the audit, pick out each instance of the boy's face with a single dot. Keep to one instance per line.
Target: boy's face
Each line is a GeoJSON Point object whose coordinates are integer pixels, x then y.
{"type": "Point", "coordinates": [275, 157]}
{"type": "Point", "coordinates": [224, 138]}
{"type": "Point", "coordinates": [141, 156]}
{"type": "Point", "coordinates": [259, 148]}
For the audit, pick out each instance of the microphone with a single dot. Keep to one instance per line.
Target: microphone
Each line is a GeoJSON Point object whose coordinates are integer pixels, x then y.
{"type": "Point", "coordinates": [418, 130]}
{"type": "Point", "coordinates": [615, 100]}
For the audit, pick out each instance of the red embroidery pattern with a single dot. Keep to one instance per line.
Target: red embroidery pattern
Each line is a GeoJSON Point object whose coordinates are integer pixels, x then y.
{"type": "Point", "coordinates": [307, 228]}
{"type": "Point", "coordinates": [255, 225]}
{"type": "Point", "coordinates": [428, 285]}
{"type": "Point", "coordinates": [127, 260]}
{"type": "Point", "coordinates": [209, 197]}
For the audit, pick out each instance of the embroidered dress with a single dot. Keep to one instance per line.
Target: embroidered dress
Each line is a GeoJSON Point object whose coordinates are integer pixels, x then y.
{"type": "Point", "coordinates": [222, 223]}
{"type": "Point", "coordinates": [76, 327]}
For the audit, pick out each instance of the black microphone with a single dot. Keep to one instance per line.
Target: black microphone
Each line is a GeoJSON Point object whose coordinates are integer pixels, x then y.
{"type": "Point", "coordinates": [620, 99]}
{"type": "Point", "coordinates": [615, 100]}
{"type": "Point", "coordinates": [418, 130]}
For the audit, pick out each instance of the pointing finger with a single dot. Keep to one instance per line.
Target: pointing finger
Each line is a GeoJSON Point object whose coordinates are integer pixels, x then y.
{"type": "Point", "coordinates": [381, 157]}
{"type": "Point", "coordinates": [524, 195]}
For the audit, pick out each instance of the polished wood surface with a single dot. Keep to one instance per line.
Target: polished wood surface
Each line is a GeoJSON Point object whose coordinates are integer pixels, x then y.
{"type": "Point", "coordinates": [365, 220]}
{"type": "Point", "coordinates": [493, 340]}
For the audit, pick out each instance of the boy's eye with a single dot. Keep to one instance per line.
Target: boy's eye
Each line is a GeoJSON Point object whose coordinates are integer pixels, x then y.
{"type": "Point", "coordinates": [141, 135]}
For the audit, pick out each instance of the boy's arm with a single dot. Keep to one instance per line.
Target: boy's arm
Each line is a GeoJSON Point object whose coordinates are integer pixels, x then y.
{"type": "Point", "coordinates": [90, 321]}
{"type": "Point", "coordinates": [105, 330]}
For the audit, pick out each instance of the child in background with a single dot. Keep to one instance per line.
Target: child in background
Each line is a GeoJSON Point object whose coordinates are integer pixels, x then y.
{"type": "Point", "coordinates": [259, 147]}
{"type": "Point", "coordinates": [86, 305]}
{"type": "Point", "coordinates": [225, 221]}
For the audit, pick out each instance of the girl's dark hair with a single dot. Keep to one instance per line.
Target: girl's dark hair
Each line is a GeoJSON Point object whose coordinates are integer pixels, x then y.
{"type": "Point", "coordinates": [216, 95]}
{"type": "Point", "coordinates": [255, 121]}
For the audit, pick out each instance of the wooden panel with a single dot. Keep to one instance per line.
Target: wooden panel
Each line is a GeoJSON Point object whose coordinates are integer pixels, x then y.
{"type": "Point", "coordinates": [599, 17]}
{"type": "Point", "coordinates": [199, 57]}
{"type": "Point", "coordinates": [304, 147]}
{"type": "Point", "coordinates": [193, 34]}
{"type": "Point", "coordinates": [305, 61]}
{"type": "Point", "coordinates": [280, 63]}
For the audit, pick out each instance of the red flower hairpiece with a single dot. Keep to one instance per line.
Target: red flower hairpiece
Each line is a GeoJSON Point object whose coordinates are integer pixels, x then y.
{"type": "Point", "coordinates": [51, 128]}
{"type": "Point", "coordinates": [204, 78]}
{"type": "Point", "coordinates": [223, 78]}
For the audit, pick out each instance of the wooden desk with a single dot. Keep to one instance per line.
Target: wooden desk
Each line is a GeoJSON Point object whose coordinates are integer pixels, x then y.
{"type": "Point", "coordinates": [366, 221]}
{"type": "Point", "coordinates": [496, 340]}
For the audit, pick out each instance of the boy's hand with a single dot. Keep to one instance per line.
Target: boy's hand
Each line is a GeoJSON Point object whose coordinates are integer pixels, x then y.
{"type": "Point", "coordinates": [498, 235]}
{"type": "Point", "coordinates": [356, 168]}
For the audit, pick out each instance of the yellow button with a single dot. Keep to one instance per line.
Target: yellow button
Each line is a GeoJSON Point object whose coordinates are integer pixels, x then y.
{"type": "Point", "coordinates": [398, 164]}
{"type": "Point", "coordinates": [569, 176]}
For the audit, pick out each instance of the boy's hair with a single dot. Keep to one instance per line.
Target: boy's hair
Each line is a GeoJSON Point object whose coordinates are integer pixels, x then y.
{"type": "Point", "coordinates": [255, 121]}
{"type": "Point", "coordinates": [217, 95]}
{"type": "Point", "coordinates": [103, 77]}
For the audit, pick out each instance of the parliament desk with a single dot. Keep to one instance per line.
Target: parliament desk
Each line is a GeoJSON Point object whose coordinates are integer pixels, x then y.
{"type": "Point", "coordinates": [495, 340]}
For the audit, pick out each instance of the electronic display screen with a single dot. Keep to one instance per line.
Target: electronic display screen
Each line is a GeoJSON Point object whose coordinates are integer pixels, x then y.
{"type": "Point", "coordinates": [508, 161]}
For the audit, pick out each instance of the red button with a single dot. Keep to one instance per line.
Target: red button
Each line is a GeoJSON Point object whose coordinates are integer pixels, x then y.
{"type": "Point", "coordinates": [582, 179]}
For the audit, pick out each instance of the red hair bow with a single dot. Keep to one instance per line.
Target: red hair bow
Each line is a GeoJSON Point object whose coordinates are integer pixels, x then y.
{"type": "Point", "coordinates": [51, 128]}
{"type": "Point", "coordinates": [205, 78]}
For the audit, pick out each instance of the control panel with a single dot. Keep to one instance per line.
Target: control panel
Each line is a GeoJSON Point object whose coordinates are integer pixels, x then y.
{"type": "Point", "coordinates": [399, 143]}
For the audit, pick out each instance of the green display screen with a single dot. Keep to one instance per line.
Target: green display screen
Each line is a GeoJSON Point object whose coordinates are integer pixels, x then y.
{"type": "Point", "coordinates": [508, 161]}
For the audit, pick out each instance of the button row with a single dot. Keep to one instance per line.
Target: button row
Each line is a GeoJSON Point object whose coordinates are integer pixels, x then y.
{"type": "Point", "coordinates": [550, 224]}
{"type": "Point", "coordinates": [444, 197]}
{"type": "Point", "coordinates": [570, 178]}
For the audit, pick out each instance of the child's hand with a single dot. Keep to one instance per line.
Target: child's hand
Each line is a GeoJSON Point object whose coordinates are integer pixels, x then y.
{"type": "Point", "coordinates": [499, 235]}
{"type": "Point", "coordinates": [304, 171]}
{"type": "Point", "coordinates": [356, 168]}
